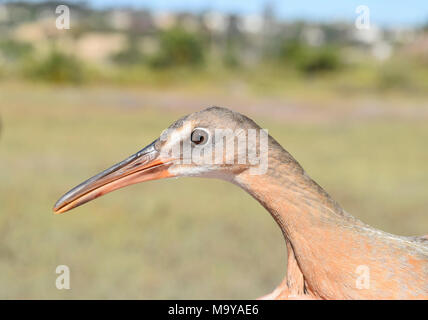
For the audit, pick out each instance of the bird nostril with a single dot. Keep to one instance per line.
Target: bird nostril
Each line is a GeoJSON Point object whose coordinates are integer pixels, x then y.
{"type": "Point", "coordinates": [135, 165]}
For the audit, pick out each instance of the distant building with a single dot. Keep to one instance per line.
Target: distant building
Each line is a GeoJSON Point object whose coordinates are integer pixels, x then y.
{"type": "Point", "coordinates": [142, 21]}
{"type": "Point", "coordinates": [35, 31]}
{"type": "Point", "coordinates": [99, 47]}
{"type": "Point", "coordinates": [252, 24]}
{"type": "Point", "coordinates": [164, 20]}
{"type": "Point", "coordinates": [4, 14]}
{"type": "Point", "coordinates": [367, 36]}
{"type": "Point", "coordinates": [120, 19]}
{"type": "Point", "coordinates": [215, 22]}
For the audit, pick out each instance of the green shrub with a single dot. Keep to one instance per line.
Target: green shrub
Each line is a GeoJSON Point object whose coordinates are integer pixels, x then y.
{"type": "Point", "coordinates": [58, 68]}
{"type": "Point", "coordinates": [322, 60]}
{"type": "Point", "coordinates": [310, 59]}
{"type": "Point", "coordinates": [291, 51]}
{"type": "Point", "coordinates": [231, 57]}
{"type": "Point", "coordinates": [13, 50]}
{"type": "Point", "coordinates": [390, 77]}
{"type": "Point", "coordinates": [178, 48]}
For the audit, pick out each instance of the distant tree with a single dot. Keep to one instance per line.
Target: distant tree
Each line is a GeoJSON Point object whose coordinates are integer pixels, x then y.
{"type": "Point", "coordinates": [179, 48]}
{"type": "Point", "coordinates": [310, 59]}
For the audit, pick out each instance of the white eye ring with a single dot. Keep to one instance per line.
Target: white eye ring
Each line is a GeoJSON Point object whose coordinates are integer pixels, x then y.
{"type": "Point", "coordinates": [199, 136]}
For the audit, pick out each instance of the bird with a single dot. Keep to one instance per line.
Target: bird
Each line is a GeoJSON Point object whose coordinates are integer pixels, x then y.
{"type": "Point", "coordinates": [331, 253]}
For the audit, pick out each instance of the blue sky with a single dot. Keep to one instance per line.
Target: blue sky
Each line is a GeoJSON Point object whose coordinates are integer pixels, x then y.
{"type": "Point", "coordinates": [383, 12]}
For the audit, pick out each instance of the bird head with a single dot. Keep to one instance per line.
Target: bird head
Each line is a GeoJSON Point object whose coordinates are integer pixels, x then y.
{"type": "Point", "coordinates": [215, 143]}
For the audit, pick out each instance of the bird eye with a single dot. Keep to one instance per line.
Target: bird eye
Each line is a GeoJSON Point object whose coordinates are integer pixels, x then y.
{"type": "Point", "coordinates": [199, 136]}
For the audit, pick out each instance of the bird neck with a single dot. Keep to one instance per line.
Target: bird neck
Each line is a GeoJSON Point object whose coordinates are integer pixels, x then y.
{"type": "Point", "coordinates": [308, 217]}
{"type": "Point", "coordinates": [327, 244]}
{"type": "Point", "coordinates": [290, 195]}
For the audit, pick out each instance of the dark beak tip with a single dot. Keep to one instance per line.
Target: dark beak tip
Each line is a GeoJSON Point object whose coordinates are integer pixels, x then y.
{"type": "Point", "coordinates": [58, 205]}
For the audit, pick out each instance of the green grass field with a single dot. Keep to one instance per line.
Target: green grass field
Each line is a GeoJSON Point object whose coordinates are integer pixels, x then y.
{"type": "Point", "coordinates": [180, 238]}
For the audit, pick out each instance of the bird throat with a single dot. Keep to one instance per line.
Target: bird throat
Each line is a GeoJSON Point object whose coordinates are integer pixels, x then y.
{"type": "Point", "coordinates": [309, 218]}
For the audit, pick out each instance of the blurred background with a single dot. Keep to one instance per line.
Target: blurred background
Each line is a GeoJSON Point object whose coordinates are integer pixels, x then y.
{"type": "Point", "coordinates": [346, 96]}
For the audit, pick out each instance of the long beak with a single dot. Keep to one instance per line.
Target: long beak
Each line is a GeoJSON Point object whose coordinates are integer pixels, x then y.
{"type": "Point", "coordinates": [142, 166]}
